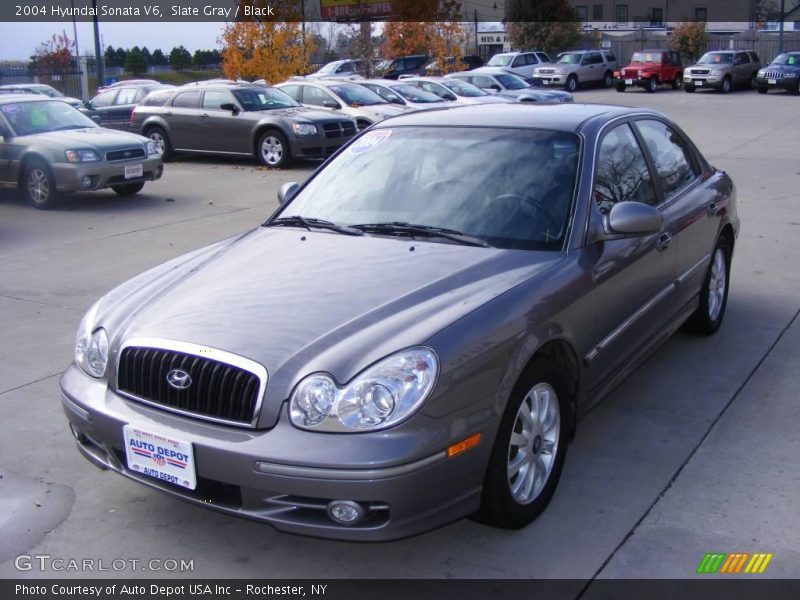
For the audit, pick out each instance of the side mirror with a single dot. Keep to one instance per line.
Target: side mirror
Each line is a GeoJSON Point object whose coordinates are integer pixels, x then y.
{"type": "Point", "coordinates": [286, 191]}
{"type": "Point", "coordinates": [95, 118]}
{"type": "Point", "coordinates": [230, 106]}
{"type": "Point", "coordinates": [4, 133]}
{"type": "Point", "coordinates": [88, 104]}
{"type": "Point", "coordinates": [634, 218]}
{"type": "Point", "coordinates": [330, 104]}
{"type": "Point", "coordinates": [451, 97]}
{"type": "Point", "coordinates": [398, 101]}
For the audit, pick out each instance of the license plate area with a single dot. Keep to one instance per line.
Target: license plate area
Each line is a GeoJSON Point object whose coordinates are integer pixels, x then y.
{"type": "Point", "coordinates": [629, 82]}
{"type": "Point", "coordinates": [698, 82]}
{"type": "Point", "coordinates": [159, 456]}
{"type": "Point", "coordinates": [772, 81]}
{"type": "Point", "coordinates": [134, 171]}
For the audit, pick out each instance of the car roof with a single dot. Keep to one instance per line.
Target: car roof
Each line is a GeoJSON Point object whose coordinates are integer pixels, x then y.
{"type": "Point", "coordinates": [9, 98]}
{"type": "Point", "coordinates": [487, 71]}
{"type": "Point", "coordinates": [559, 117]}
{"type": "Point", "coordinates": [22, 86]}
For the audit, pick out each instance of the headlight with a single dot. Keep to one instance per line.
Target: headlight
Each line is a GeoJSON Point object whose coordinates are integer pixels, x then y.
{"type": "Point", "coordinates": [91, 345]}
{"type": "Point", "coordinates": [152, 149]}
{"type": "Point", "coordinates": [560, 71]}
{"type": "Point", "coordinates": [687, 73]}
{"type": "Point", "coordinates": [383, 395]}
{"type": "Point", "coordinates": [76, 156]}
{"type": "Point", "coordinates": [715, 73]}
{"type": "Point", "coordinates": [304, 128]}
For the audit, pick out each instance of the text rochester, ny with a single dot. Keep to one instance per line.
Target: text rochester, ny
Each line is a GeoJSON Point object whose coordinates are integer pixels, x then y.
{"type": "Point", "coordinates": [148, 10]}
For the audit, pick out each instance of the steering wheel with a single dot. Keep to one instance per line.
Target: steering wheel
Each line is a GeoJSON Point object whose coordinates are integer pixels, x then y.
{"type": "Point", "coordinates": [535, 203]}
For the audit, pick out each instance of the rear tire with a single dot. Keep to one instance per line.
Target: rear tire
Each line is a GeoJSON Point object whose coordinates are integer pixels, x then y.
{"type": "Point", "coordinates": [530, 448]}
{"type": "Point", "coordinates": [714, 293]}
{"type": "Point", "coordinates": [608, 79]}
{"type": "Point", "coordinates": [128, 189]}
{"type": "Point", "coordinates": [39, 186]}
{"type": "Point", "coordinates": [677, 82]}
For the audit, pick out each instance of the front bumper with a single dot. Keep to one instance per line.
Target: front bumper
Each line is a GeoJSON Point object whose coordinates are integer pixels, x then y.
{"type": "Point", "coordinates": [703, 81]}
{"type": "Point", "coordinates": [266, 474]}
{"type": "Point", "coordinates": [316, 146]}
{"type": "Point", "coordinates": [69, 176]}
{"type": "Point", "coordinates": [632, 81]}
{"type": "Point", "coordinates": [551, 80]}
{"type": "Point", "coordinates": [783, 83]}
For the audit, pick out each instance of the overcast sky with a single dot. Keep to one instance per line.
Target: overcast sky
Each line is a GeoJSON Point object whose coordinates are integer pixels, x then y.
{"type": "Point", "coordinates": [18, 41]}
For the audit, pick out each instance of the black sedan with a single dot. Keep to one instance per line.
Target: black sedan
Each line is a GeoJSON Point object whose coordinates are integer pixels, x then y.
{"type": "Point", "coordinates": [113, 107]}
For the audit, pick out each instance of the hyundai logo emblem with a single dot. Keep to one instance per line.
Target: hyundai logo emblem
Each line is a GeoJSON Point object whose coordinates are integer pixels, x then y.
{"type": "Point", "coordinates": [179, 379]}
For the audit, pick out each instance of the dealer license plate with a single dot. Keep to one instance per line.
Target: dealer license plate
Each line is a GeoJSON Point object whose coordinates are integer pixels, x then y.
{"type": "Point", "coordinates": [159, 456]}
{"type": "Point", "coordinates": [133, 171]}
{"type": "Point", "coordinates": [772, 81]}
{"type": "Point", "coordinates": [629, 82]}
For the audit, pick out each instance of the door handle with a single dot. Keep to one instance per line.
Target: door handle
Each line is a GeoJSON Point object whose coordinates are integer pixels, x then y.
{"type": "Point", "coordinates": [713, 209]}
{"type": "Point", "coordinates": [204, 116]}
{"type": "Point", "coordinates": [664, 240]}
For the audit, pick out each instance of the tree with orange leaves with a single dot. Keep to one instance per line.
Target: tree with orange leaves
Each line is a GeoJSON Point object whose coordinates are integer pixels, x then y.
{"type": "Point", "coordinates": [265, 48]}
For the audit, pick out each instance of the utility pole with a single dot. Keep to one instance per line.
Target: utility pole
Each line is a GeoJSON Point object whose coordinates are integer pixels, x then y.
{"type": "Point", "coordinates": [781, 25]}
{"type": "Point", "coordinates": [100, 68]}
{"type": "Point", "coordinates": [476, 32]}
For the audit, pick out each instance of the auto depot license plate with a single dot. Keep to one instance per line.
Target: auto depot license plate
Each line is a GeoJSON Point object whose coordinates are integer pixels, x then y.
{"type": "Point", "coordinates": [132, 171]}
{"type": "Point", "coordinates": [160, 457]}
{"type": "Point", "coordinates": [772, 81]}
{"type": "Point", "coordinates": [629, 82]}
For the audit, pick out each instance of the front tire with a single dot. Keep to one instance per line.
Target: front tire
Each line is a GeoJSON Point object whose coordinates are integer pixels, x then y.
{"type": "Point", "coordinates": [273, 150]}
{"type": "Point", "coordinates": [714, 293]}
{"type": "Point", "coordinates": [763, 90]}
{"type": "Point", "coordinates": [530, 448]}
{"type": "Point", "coordinates": [128, 189]}
{"type": "Point", "coordinates": [688, 88]}
{"type": "Point", "coordinates": [726, 85]}
{"type": "Point", "coordinates": [159, 137]}
{"type": "Point", "coordinates": [572, 84]}
{"type": "Point", "coordinates": [39, 186]}
{"type": "Point", "coordinates": [652, 84]}
{"type": "Point", "coordinates": [621, 87]}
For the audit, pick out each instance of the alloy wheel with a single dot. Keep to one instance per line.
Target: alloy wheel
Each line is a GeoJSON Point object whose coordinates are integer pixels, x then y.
{"type": "Point", "coordinates": [271, 150]}
{"type": "Point", "coordinates": [38, 186]}
{"type": "Point", "coordinates": [534, 443]}
{"type": "Point", "coordinates": [717, 283]}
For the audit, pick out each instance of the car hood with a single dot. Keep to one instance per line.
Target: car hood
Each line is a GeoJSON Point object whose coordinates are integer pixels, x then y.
{"type": "Point", "coordinates": [300, 302]}
{"type": "Point", "coordinates": [491, 99]}
{"type": "Point", "coordinates": [537, 94]}
{"type": "Point", "coordinates": [300, 114]}
{"type": "Point", "coordinates": [88, 137]}
{"type": "Point", "coordinates": [782, 68]}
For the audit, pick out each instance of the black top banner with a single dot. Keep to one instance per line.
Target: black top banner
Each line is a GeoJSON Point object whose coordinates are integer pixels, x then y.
{"type": "Point", "coordinates": [603, 14]}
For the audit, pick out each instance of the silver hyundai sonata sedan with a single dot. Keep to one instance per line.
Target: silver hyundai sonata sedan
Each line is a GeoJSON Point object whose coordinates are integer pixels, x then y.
{"type": "Point", "coordinates": [407, 342]}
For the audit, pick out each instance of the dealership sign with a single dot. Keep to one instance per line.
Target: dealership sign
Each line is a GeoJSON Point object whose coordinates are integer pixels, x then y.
{"type": "Point", "coordinates": [351, 9]}
{"type": "Point", "coordinates": [494, 38]}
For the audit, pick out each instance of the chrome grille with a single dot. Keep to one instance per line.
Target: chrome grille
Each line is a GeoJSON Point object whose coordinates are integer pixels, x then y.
{"type": "Point", "coordinates": [700, 71]}
{"type": "Point", "coordinates": [773, 74]}
{"type": "Point", "coordinates": [217, 390]}
{"type": "Point", "coordinates": [127, 154]}
{"type": "Point", "coordinates": [545, 71]}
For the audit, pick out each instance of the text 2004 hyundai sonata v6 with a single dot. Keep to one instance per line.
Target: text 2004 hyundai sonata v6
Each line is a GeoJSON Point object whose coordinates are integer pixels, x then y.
{"type": "Point", "coordinates": [410, 337]}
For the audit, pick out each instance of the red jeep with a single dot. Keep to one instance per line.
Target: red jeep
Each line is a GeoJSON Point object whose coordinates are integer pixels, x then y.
{"type": "Point", "coordinates": [649, 68]}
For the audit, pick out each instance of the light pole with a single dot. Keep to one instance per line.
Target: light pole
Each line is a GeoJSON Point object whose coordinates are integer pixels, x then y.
{"type": "Point", "coordinates": [98, 57]}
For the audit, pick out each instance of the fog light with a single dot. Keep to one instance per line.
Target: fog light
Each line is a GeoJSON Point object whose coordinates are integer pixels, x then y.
{"type": "Point", "coordinates": [86, 181]}
{"type": "Point", "coordinates": [345, 512]}
{"type": "Point", "coordinates": [77, 434]}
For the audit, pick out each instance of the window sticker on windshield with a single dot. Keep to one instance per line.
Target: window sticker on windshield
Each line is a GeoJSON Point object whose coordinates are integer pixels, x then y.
{"type": "Point", "coordinates": [263, 99]}
{"type": "Point", "coordinates": [370, 140]}
{"type": "Point", "coordinates": [10, 109]}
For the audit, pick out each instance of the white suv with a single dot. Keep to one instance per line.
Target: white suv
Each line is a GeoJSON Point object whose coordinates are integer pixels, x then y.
{"type": "Point", "coordinates": [520, 63]}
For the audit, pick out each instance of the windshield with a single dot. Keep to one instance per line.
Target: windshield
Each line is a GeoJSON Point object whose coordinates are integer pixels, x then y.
{"type": "Point", "coordinates": [787, 59]}
{"type": "Point", "coordinates": [356, 95]}
{"type": "Point", "coordinates": [414, 94]}
{"type": "Point", "coordinates": [464, 88]}
{"type": "Point", "coordinates": [27, 118]}
{"type": "Point", "coordinates": [500, 60]}
{"type": "Point", "coordinates": [519, 199]}
{"type": "Point", "coordinates": [570, 58]}
{"type": "Point", "coordinates": [331, 67]}
{"type": "Point", "coordinates": [264, 98]}
{"type": "Point", "coordinates": [711, 58]}
{"type": "Point", "coordinates": [511, 82]}
{"type": "Point", "coordinates": [646, 57]}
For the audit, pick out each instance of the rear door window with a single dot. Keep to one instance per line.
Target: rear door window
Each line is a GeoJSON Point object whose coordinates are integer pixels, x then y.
{"type": "Point", "coordinates": [214, 99]}
{"type": "Point", "coordinates": [187, 100]}
{"type": "Point", "coordinates": [675, 166]}
{"type": "Point", "coordinates": [126, 96]}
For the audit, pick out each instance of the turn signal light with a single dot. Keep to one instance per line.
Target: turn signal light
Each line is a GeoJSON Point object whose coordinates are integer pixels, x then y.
{"type": "Point", "coordinates": [463, 445]}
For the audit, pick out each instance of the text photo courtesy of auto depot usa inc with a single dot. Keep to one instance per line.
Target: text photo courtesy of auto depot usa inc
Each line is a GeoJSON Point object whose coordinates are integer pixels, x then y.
{"type": "Point", "coordinates": [421, 299]}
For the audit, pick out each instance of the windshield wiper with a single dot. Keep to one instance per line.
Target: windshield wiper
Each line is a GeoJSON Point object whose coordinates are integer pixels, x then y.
{"type": "Point", "coordinates": [65, 127]}
{"type": "Point", "coordinates": [311, 222]}
{"type": "Point", "coordinates": [411, 229]}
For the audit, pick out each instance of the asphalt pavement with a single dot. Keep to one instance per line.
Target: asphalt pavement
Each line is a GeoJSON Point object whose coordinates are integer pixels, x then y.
{"type": "Point", "coordinates": [695, 453]}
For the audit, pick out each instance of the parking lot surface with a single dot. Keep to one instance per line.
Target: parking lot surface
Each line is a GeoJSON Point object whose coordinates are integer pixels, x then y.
{"type": "Point", "coordinates": [696, 453]}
